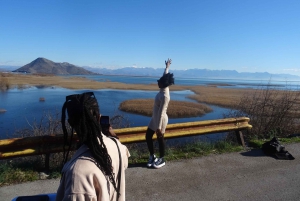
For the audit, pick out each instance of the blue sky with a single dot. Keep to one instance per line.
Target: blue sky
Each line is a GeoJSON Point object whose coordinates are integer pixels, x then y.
{"type": "Point", "coordinates": [242, 35]}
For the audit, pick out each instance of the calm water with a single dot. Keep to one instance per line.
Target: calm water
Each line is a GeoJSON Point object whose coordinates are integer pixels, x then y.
{"type": "Point", "coordinates": [230, 83]}
{"type": "Point", "coordinates": [23, 106]}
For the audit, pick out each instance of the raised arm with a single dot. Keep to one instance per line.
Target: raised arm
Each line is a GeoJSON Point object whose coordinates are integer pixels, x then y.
{"type": "Point", "coordinates": [168, 63]}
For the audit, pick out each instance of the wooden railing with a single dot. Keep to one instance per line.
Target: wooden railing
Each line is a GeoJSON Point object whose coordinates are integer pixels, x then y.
{"type": "Point", "coordinates": [20, 147]}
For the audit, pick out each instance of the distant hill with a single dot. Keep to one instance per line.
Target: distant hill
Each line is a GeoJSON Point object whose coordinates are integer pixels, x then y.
{"type": "Point", "coordinates": [5, 68]}
{"type": "Point", "coordinates": [45, 66]}
{"type": "Point", "coordinates": [194, 73]}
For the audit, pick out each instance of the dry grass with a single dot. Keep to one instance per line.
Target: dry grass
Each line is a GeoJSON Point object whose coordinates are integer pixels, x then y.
{"type": "Point", "coordinates": [218, 96]}
{"type": "Point", "coordinates": [24, 80]}
{"type": "Point", "coordinates": [176, 109]}
{"type": "Point", "coordinates": [4, 82]}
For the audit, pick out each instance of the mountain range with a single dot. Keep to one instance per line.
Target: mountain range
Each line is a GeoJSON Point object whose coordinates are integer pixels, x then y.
{"type": "Point", "coordinates": [42, 65]}
{"type": "Point", "coordinates": [194, 73]}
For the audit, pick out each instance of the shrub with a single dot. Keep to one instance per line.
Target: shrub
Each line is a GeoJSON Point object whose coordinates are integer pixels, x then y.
{"type": "Point", "coordinates": [272, 112]}
{"type": "Point", "coordinates": [48, 124]}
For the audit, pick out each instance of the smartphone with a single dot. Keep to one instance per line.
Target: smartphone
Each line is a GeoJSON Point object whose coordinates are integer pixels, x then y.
{"type": "Point", "coordinates": [33, 198]}
{"type": "Point", "coordinates": [104, 121]}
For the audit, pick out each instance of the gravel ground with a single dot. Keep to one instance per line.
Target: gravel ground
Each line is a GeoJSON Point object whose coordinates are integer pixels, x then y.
{"type": "Point", "coordinates": [246, 176]}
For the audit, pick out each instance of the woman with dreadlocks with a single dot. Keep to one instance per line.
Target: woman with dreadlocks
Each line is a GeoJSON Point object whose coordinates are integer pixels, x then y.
{"type": "Point", "coordinates": [97, 169]}
{"type": "Point", "coordinates": [159, 120]}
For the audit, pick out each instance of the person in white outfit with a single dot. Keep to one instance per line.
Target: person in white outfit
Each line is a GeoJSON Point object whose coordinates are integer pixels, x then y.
{"type": "Point", "coordinates": [159, 119]}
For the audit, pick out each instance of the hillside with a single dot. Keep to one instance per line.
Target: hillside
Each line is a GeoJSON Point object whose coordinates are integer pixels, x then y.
{"type": "Point", "coordinates": [45, 66]}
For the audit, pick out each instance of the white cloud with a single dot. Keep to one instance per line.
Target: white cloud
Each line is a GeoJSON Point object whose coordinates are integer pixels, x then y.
{"type": "Point", "coordinates": [11, 63]}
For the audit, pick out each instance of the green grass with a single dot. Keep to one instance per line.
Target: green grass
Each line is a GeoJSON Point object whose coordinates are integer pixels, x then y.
{"type": "Point", "coordinates": [14, 174]}
{"type": "Point", "coordinates": [25, 169]}
{"type": "Point", "coordinates": [9, 174]}
{"type": "Point", "coordinates": [140, 154]}
{"type": "Point", "coordinates": [198, 149]}
{"type": "Point", "coordinates": [257, 143]}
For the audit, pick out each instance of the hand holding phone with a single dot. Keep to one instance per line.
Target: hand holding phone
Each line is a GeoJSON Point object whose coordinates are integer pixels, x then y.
{"type": "Point", "coordinates": [106, 128]}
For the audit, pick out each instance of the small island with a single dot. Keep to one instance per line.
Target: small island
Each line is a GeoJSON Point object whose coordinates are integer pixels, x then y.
{"type": "Point", "coordinates": [176, 109]}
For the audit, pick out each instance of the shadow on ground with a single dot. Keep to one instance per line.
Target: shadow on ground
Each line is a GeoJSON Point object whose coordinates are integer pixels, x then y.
{"type": "Point", "coordinates": [254, 153]}
{"type": "Point", "coordinates": [143, 165]}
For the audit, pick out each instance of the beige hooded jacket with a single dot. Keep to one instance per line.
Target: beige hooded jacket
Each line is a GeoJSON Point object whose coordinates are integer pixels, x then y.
{"type": "Point", "coordinates": [82, 180]}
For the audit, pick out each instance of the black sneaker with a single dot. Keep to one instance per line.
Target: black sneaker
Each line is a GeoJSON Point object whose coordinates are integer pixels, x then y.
{"type": "Point", "coordinates": [151, 160]}
{"type": "Point", "coordinates": [159, 163]}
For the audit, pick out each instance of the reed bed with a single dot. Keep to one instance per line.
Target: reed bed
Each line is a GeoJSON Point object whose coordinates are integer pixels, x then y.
{"type": "Point", "coordinates": [4, 82]}
{"type": "Point", "coordinates": [176, 109]}
{"type": "Point", "coordinates": [26, 80]}
{"type": "Point", "coordinates": [228, 98]}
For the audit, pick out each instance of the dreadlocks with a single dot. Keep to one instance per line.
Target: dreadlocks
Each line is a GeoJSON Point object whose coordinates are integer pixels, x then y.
{"type": "Point", "coordinates": [83, 111]}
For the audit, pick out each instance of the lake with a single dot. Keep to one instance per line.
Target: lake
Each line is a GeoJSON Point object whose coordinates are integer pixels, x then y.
{"type": "Point", "coordinates": [23, 105]}
{"type": "Point", "coordinates": [230, 83]}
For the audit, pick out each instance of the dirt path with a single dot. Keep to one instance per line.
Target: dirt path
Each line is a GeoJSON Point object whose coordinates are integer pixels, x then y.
{"type": "Point", "coordinates": [243, 176]}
